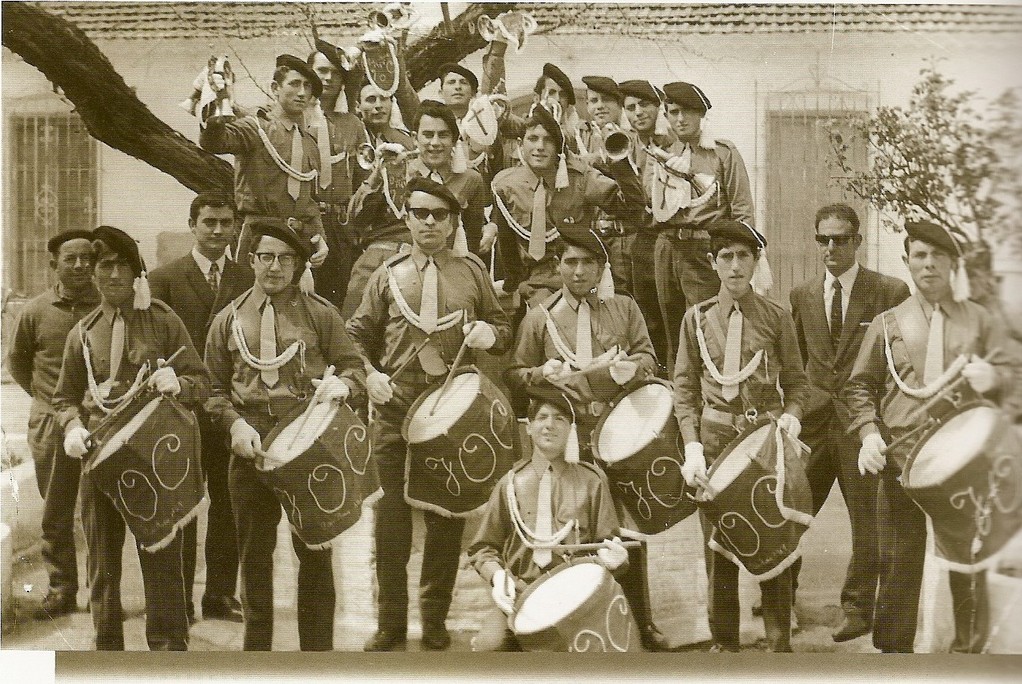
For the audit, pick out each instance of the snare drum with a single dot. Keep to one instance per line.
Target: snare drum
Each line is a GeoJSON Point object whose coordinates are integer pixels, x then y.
{"type": "Point", "coordinates": [460, 443]}
{"type": "Point", "coordinates": [966, 475]}
{"type": "Point", "coordinates": [577, 607]}
{"type": "Point", "coordinates": [147, 462]}
{"type": "Point", "coordinates": [639, 445]}
{"type": "Point", "coordinates": [758, 518]}
{"type": "Point", "coordinates": [318, 466]}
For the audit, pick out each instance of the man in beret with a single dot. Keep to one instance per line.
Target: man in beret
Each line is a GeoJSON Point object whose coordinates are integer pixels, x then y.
{"type": "Point", "coordinates": [456, 304]}
{"type": "Point", "coordinates": [290, 339]}
{"type": "Point", "coordinates": [102, 358]}
{"type": "Point", "coordinates": [705, 180]}
{"type": "Point", "coordinates": [276, 163]}
{"type": "Point", "coordinates": [37, 347]}
{"type": "Point", "coordinates": [555, 93]}
{"type": "Point", "coordinates": [584, 325]}
{"type": "Point", "coordinates": [926, 335]}
{"type": "Point", "coordinates": [711, 402]}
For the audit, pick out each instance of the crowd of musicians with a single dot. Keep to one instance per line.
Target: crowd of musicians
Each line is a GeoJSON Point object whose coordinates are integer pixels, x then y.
{"type": "Point", "coordinates": [572, 261]}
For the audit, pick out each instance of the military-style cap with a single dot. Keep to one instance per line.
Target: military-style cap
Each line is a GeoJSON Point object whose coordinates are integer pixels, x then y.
{"type": "Point", "coordinates": [643, 90]}
{"type": "Point", "coordinates": [431, 187]}
{"type": "Point", "coordinates": [560, 78]}
{"type": "Point", "coordinates": [604, 86]}
{"type": "Point", "coordinates": [932, 234]}
{"type": "Point", "coordinates": [122, 244]}
{"type": "Point", "coordinates": [580, 236]}
{"type": "Point", "coordinates": [279, 229]}
{"type": "Point", "coordinates": [54, 243]}
{"type": "Point", "coordinates": [331, 52]}
{"type": "Point", "coordinates": [451, 67]}
{"type": "Point", "coordinates": [737, 231]}
{"type": "Point", "coordinates": [544, 392]}
{"type": "Point", "coordinates": [687, 96]}
{"type": "Point", "coordinates": [544, 118]}
{"type": "Point", "coordinates": [299, 65]}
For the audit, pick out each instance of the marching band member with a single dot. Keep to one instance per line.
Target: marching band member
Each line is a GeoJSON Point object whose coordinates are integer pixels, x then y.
{"type": "Point", "coordinates": [581, 326]}
{"type": "Point", "coordinates": [555, 93]}
{"type": "Point", "coordinates": [909, 353]}
{"type": "Point", "coordinates": [705, 180]}
{"type": "Point", "coordinates": [37, 348]}
{"type": "Point", "coordinates": [576, 494]}
{"type": "Point", "coordinates": [423, 303]}
{"type": "Point", "coordinates": [276, 157]}
{"type": "Point", "coordinates": [718, 377]}
{"type": "Point", "coordinates": [104, 351]}
{"type": "Point", "coordinates": [254, 386]}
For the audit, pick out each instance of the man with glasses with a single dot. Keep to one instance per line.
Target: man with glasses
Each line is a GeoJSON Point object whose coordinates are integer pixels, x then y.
{"type": "Point", "coordinates": [831, 313]}
{"type": "Point", "coordinates": [416, 312]}
{"type": "Point", "coordinates": [290, 338]}
{"type": "Point", "coordinates": [37, 347]}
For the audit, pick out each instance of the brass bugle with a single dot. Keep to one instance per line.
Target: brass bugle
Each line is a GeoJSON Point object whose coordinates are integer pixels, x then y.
{"type": "Point", "coordinates": [393, 17]}
{"type": "Point", "coordinates": [487, 28]}
{"type": "Point", "coordinates": [618, 145]}
{"type": "Point", "coordinates": [350, 57]}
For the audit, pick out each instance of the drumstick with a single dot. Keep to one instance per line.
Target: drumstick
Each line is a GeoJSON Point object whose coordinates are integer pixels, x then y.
{"type": "Point", "coordinates": [407, 362]}
{"type": "Point", "coordinates": [603, 365]}
{"type": "Point", "coordinates": [594, 546]}
{"type": "Point", "coordinates": [161, 362]}
{"type": "Point", "coordinates": [450, 375]}
{"type": "Point", "coordinates": [327, 372]}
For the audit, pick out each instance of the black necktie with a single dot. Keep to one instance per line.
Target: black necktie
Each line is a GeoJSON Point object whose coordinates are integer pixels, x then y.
{"type": "Point", "coordinates": [836, 314]}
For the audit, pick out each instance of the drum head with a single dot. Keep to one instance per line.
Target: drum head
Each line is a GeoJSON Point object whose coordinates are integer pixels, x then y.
{"type": "Point", "coordinates": [635, 422]}
{"type": "Point", "coordinates": [735, 463]}
{"type": "Point", "coordinates": [462, 391]}
{"type": "Point", "coordinates": [296, 438]}
{"type": "Point", "coordinates": [959, 440]}
{"type": "Point", "coordinates": [121, 437]}
{"type": "Point", "coordinates": [557, 597]}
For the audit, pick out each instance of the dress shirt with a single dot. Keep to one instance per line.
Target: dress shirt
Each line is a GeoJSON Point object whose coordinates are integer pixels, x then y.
{"type": "Point", "coordinates": [847, 282]}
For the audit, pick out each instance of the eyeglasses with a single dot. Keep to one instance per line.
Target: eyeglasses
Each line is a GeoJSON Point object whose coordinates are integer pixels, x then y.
{"type": "Point", "coordinates": [839, 240]}
{"type": "Point", "coordinates": [422, 213]}
{"type": "Point", "coordinates": [285, 260]}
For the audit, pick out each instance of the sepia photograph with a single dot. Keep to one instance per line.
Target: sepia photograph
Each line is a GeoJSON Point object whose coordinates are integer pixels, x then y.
{"type": "Point", "coordinates": [426, 327]}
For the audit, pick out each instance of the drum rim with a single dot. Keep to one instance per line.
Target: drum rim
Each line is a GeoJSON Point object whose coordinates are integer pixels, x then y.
{"type": "Point", "coordinates": [111, 424]}
{"type": "Point", "coordinates": [733, 444]}
{"type": "Point", "coordinates": [618, 398]}
{"type": "Point", "coordinates": [531, 589]}
{"type": "Point", "coordinates": [937, 426]}
{"type": "Point", "coordinates": [419, 400]}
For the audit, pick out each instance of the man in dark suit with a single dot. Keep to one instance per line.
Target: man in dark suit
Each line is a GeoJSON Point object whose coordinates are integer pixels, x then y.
{"type": "Point", "coordinates": [197, 286]}
{"type": "Point", "coordinates": [831, 314]}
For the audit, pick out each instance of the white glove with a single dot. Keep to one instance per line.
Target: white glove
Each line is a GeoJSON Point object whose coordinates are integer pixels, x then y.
{"type": "Point", "coordinates": [613, 554]}
{"type": "Point", "coordinates": [504, 591]}
{"type": "Point", "coordinates": [623, 370]}
{"type": "Point", "coordinates": [479, 335]}
{"type": "Point", "coordinates": [379, 388]}
{"type": "Point", "coordinates": [165, 381]}
{"type": "Point", "coordinates": [331, 388]}
{"type": "Point", "coordinates": [245, 440]}
{"type": "Point", "coordinates": [790, 424]}
{"type": "Point", "coordinates": [553, 369]}
{"type": "Point", "coordinates": [980, 374]}
{"type": "Point", "coordinates": [498, 287]}
{"type": "Point", "coordinates": [871, 454]}
{"type": "Point", "coordinates": [694, 468]}
{"type": "Point", "coordinates": [489, 237]}
{"type": "Point", "coordinates": [76, 441]}
{"type": "Point", "coordinates": [322, 249]}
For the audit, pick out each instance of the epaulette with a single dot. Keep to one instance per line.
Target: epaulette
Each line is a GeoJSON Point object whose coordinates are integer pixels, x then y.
{"type": "Point", "coordinates": [263, 113]}
{"type": "Point", "coordinates": [706, 303]}
{"type": "Point", "coordinates": [89, 319]}
{"type": "Point", "coordinates": [724, 142]}
{"type": "Point", "coordinates": [552, 299]}
{"type": "Point", "coordinates": [773, 305]}
{"type": "Point", "coordinates": [397, 258]}
{"type": "Point", "coordinates": [319, 298]}
{"type": "Point", "coordinates": [521, 463]}
{"type": "Point", "coordinates": [475, 259]}
{"type": "Point", "coordinates": [575, 163]}
{"type": "Point", "coordinates": [597, 470]}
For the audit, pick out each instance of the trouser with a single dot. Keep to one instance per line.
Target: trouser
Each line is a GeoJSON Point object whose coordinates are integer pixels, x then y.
{"type": "Point", "coordinates": [256, 515]}
{"type": "Point", "coordinates": [221, 549]}
{"type": "Point", "coordinates": [902, 533]}
{"type": "Point", "coordinates": [162, 577]}
{"type": "Point", "coordinates": [683, 279]}
{"type": "Point", "coordinates": [645, 293]}
{"type": "Point", "coordinates": [57, 476]}
{"type": "Point", "coordinates": [393, 531]}
{"type": "Point", "coordinates": [835, 455]}
{"type": "Point", "coordinates": [367, 263]}
{"type": "Point", "coordinates": [333, 275]}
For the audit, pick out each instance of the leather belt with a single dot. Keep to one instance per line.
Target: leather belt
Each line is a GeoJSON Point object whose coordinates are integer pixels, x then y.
{"type": "Point", "coordinates": [593, 408]}
{"type": "Point", "coordinates": [739, 421]}
{"type": "Point", "coordinates": [692, 234]}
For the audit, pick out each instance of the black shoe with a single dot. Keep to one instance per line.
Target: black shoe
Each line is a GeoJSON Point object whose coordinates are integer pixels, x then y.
{"type": "Point", "coordinates": [55, 604]}
{"type": "Point", "coordinates": [852, 627]}
{"type": "Point", "coordinates": [435, 638]}
{"type": "Point", "coordinates": [385, 640]}
{"type": "Point", "coordinates": [653, 639]}
{"type": "Point", "coordinates": [222, 608]}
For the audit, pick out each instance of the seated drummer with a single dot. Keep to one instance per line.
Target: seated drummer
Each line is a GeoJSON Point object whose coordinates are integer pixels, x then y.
{"type": "Point", "coordinates": [100, 371]}
{"type": "Point", "coordinates": [550, 495]}
{"type": "Point", "coordinates": [718, 377]}
{"type": "Point", "coordinates": [254, 386]}
{"type": "Point", "coordinates": [585, 325]}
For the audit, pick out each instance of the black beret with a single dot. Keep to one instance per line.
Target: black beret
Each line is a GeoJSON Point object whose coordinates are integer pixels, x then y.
{"type": "Point", "coordinates": [727, 230]}
{"type": "Point", "coordinates": [580, 236]}
{"type": "Point", "coordinates": [544, 392]}
{"type": "Point", "coordinates": [279, 229]}
{"type": "Point", "coordinates": [560, 78]}
{"type": "Point", "coordinates": [544, 118]}
{"type": "Point", "coordinates": [640, 89]}
{"type": "Point", "coordinates": [932, 234]}
{"type": "Point", "coordinates": [438, 110]}
{"type": "Point", "coordinates": [458, 69]}
{"type": "Point", "coordinates": [331, 52]}
{"type": "Point", "coordinates": [604, 85]}
{"type": "Point", "coordinates": [54, 243]}
{"type": "Point", "coordinates": [687, 96]}
{"type": "Point", "coordinates": [431, 187]}
{"type": "Point", "coordinates": [299, 65]}
{"type": "Point", "coordinates": [122, 244]}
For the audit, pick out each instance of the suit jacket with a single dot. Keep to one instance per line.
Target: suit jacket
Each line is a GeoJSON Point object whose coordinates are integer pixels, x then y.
{"type": "Point", "coordinates": [183, 287]}
{"type": "Point", "coordinates": [828, 367]}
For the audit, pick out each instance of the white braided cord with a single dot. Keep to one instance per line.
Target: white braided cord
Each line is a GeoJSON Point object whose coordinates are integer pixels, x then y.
{"type": "Point", "coordinates": [277, 362]}
{"type": "Point", "coordinates": [551, 233]}
{"type": "Point", "coordinates": [926, 391]}
{"type": "Point", "coordinates": [725, 380]}
{"type": "Point", "coordinates": [108, 406]}
{"type": "Point", "coordinates": [528, 536]}
{"type": "Point", "coordinates": [445, 322]}
{"type": "Point", "coordinates": [291, 171]}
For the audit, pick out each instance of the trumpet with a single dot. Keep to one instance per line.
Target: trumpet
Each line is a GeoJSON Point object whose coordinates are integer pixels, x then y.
{"type": "Point", "coordinates": [617, 143]}
{"type": "Point", "coordinates": [394, 16]}
{"type": "Point", "coordinates": [349, 57]}
{"type": "Point", "coordinates": [370, 157]}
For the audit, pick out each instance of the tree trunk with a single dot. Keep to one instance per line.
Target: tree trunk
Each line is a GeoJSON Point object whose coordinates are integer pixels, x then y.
{"type": "Point", "coordinates": [110, 109]}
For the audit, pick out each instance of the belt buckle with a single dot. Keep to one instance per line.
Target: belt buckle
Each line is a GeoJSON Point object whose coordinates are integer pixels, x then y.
{"type": "Point", "coordinates": [595, 408]}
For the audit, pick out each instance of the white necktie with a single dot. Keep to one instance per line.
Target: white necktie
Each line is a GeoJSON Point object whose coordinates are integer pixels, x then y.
{"type": "Point", "coordinates": [268, 344]}
{"type": "Point", "coordinates": [294, 186]}
{"type": "Point", "coordinates": [584, 335]}
{"type": "Point", "coordinates": [428, 313]}
{"type": "Point", "coordinates": [116, 345]}
{"type": "Point", "coordinates": [435, 176]}
{"type": "Point", "coordinates": [326, 169]}
{"type": "Point", "coordinates": [934, 347]}
{"type": "Point", "coordinates": [732, 352]}
{"type": "Point", "coordinates": [544, 518]}
{"type": "Point", "coordinates": [537, 238]}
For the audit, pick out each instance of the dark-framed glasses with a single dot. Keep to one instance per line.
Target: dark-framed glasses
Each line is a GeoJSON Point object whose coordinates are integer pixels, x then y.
{"type": "Point", "coordinates": [839, 240]}
{"type": "Point", "coordinates": [285, 260]}
{"type": "Point", "coordinates": [422, 213]}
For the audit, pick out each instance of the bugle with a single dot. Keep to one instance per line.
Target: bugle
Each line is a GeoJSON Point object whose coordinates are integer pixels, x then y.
{"type": "Point", "coordinates": [394, 16]}
{"type": "Point", "coordinates": [370, 157]}
{"type": "Point", "coordinates": [618, 144]}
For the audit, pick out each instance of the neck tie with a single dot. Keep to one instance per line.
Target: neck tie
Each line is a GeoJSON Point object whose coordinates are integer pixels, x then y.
{"type": "Point", "coordinates": [294, 186]}
{"type": "Point", "coordinates": [732, 352]}
{"type": "Point", "coordinates": [116, 345]}
{"type": "Point", "coordinates": [428, 313]}
{"type": "Point", "coordinates": [212, 277]}
{"type": "Point", "coordinates": [836, 313]}
{"type": "Point", "coordinates": [268, 344]}
{"type": "Point", "coordinates": [584, 335]}
{"type": "Point", "coordinates": [934, 347]}
{"type": "Point", "coordinates": [544, 518]}
{"type": "Point", "coordinates": [537, 239]}
{"type": "Point", "coordinates": [326, 169]}
{"type": "Point", "coordinates": [435, 176]}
